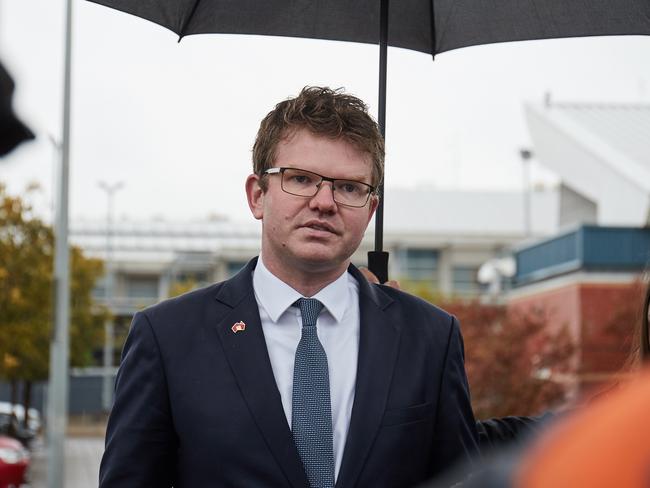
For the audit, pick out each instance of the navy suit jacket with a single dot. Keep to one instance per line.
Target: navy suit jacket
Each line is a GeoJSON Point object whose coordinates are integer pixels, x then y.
{"type": "Point", "coordinates": [196, 404]}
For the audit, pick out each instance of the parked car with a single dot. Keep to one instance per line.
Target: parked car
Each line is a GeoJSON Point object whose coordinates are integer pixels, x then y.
{"type": "Point", "coordinates": [10, 427]}
{"type": "Point", "coordinates": [14, 461]}
{"type": "Point", "coordinates": [34, 420]}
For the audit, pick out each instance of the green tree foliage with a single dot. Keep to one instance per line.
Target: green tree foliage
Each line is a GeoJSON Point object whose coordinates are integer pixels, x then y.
{"type": "Point", "coordinates": [27, 295]}
{"type": "Point", "coordinates": [182, 286]}
{"type": "Point", "coordinates": [422, 289]}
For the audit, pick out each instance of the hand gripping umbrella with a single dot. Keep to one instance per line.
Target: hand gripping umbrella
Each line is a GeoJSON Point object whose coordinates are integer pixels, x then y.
{"type": "Point", "coordinates": [428, 26]}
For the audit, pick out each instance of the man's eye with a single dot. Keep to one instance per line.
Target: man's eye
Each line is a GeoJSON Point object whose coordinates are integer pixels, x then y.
{"type": "Point", "coordinates": [301, 179]}
{"type": "Point", "coordinates": [349, 187]}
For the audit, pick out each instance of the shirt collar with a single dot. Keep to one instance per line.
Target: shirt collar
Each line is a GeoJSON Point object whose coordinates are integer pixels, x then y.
{"type": "Point", "coordinates": [276, 296]}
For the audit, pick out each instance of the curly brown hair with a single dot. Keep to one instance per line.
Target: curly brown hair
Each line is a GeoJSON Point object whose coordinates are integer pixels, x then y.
{"type": "Point", "coordinates": [324, 112]}
{"type": "Point", "coordinates": [645, 326]}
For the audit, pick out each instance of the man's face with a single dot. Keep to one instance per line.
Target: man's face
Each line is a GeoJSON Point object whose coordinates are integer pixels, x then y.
{"type": "Point", "coordinates": [314, 234]}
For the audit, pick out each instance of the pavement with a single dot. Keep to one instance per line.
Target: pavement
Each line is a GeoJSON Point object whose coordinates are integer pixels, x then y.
{"type": "Point", "coordinates": [82, 458]}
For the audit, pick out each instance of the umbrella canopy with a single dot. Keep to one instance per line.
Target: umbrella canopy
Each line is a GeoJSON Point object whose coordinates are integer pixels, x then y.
{"type": "Point", "coordinates": [12, 130]}
{"type": "Point", "coordinates": [431, 26]}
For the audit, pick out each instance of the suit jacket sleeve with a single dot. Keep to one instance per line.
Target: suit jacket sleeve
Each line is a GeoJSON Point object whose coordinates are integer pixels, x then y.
{"type": "Point", "coordinates": [497, 433]}
{"type": "Point", "coordinates": [140, 439]}
{"type": "Point", "coordinates": [455, 425]}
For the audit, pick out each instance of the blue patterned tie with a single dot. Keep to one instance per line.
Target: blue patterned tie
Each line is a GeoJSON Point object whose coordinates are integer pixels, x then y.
{"type": "Point", "coordinates": [311, 418]}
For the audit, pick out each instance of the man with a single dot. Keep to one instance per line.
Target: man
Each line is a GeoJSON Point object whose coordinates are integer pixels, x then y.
{"type": "Point", "coordinates": [297, 372]}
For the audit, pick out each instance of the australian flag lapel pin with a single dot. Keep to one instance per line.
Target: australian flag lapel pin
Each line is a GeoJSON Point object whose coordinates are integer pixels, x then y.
{"type": "Point", "coordinates": [238, 327]}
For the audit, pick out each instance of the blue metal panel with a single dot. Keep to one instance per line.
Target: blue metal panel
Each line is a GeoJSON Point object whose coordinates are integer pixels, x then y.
{"type": "Point", "coordinates": [557, 255]}
{"type": "Point", "coordinates": [38, 394]}
{"type": "Point", "coordinates": [616, 248]}
{"type": "Point", "coordinates": [589, 248]}
{"type": "Point", "coordinates": [85, 395]}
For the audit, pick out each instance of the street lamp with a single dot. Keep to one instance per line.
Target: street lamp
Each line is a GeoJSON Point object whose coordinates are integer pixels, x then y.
{"type": "Point", "coordinates": [109, 327]}
{"type": "Point", "coordinates": [526, 155]}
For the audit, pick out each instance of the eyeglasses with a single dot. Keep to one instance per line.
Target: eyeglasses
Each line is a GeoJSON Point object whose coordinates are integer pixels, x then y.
{"type": "Point", "coordinates": [304, 183]}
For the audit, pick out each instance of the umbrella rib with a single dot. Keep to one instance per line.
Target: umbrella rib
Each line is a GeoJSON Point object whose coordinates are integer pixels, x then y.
{"type": "Point", "coordinates": [181, 34]}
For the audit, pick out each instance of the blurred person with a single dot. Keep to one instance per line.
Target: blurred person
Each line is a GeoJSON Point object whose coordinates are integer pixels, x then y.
{"type": "Point", "coordinates": [604, 445]}
{"type": "Point", "coordinates": [643, 346]}
{"type": "Point", "coordinates": [297, 371]}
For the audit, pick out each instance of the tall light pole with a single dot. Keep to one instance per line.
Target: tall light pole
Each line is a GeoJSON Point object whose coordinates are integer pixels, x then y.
{"type": "Point", "coordinates": [526, 155]}
{"type": "Point", "coordinates": [59, 346]}
{"type": "Point", "coordinates": [57, 147]}
{"type": "Point", "coordinates": [109, 326]}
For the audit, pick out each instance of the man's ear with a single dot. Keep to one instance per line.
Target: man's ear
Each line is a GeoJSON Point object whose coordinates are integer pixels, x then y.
{"type": "Point", "coordinates": [255, 196]}
{"type": "Point", "coordinates": [372, 206]}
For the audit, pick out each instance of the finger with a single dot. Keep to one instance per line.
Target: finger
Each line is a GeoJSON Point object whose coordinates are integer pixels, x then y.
{"type": "Point", "coordinates": [393, 284]}
{"type": "Point", "coordinates": [369, 275]}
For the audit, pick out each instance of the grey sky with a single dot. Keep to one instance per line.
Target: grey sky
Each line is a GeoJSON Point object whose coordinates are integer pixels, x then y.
{"type": "Point", "coordinates": [175, 122]}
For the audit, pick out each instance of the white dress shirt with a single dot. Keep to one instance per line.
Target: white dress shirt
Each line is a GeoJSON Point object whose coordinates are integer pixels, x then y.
{"type": "Point", "coordinates": [338, 332]}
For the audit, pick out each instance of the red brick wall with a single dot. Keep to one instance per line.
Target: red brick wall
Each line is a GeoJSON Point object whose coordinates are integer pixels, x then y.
{"type": "Point", "coordinates": [606, 328]}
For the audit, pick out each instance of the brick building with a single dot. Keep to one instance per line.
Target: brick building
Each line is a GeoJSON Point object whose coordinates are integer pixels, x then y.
{"type": "Point", "coordinates": [589, 279]}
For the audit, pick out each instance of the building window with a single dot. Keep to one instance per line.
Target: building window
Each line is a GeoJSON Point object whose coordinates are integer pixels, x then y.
{"type": "Point", "coordinates": [99, 291]}
{"type": "Point", "coordinates": [142, 287]}
{"type": "Point", "coordinates": [465, 279]}
{"type": "Point", "coordinates": [234, 267]}
{"type": "Point", "coordinates": [420, 264]}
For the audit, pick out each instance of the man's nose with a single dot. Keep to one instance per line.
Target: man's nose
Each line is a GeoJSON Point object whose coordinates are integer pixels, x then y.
{"type": "Point", "coordinates": [324, 198]}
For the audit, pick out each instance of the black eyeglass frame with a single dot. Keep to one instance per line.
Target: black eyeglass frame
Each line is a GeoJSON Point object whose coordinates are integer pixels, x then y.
{"type": "Point", "coordinates": [282, 169]}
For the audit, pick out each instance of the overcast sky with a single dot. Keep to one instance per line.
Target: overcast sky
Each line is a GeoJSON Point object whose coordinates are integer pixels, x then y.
{"type": "Point", "coordinates": [175, 122]}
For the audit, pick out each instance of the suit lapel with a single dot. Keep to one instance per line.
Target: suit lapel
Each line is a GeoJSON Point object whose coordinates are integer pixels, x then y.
{"type": "Point", "coordinates": [248, 357]}
{"type": "Point", "coordinates": [378, 348]}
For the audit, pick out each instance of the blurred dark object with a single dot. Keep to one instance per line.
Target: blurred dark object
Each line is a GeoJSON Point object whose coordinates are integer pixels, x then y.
{"type": "Point", "coordinates": [14, 461]}
{"type": "Point", "coordinates": [493, 471]}
{"type": "Point", "coordinates": [10, 427]}
{"type": "Point", "coordinates": [12, 130]}
{"type": "Point", "coordinates": [503, 442]}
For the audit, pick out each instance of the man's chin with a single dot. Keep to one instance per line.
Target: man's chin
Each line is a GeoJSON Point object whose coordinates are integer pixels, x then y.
{"type": "Point", "coordinates": [319, 256]}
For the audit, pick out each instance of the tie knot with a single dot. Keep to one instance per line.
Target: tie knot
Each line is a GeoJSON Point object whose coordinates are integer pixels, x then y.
{"type": "Point", "coordinates": [309, 309]}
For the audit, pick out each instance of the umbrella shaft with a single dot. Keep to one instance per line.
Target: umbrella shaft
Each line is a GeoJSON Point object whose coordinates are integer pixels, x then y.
{"type": "Point", "coordinates": [383, 55]}
{"type": "Point", "coordinates": [381, 116]}
{"type": "Point", "coordinates": [378, 259]}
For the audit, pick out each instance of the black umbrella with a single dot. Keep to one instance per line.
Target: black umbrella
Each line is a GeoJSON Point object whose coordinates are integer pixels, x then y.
{"type": "Point", "coordinates": [431, 26]}
{"type": "Point", "coordinates": [12, 130]}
